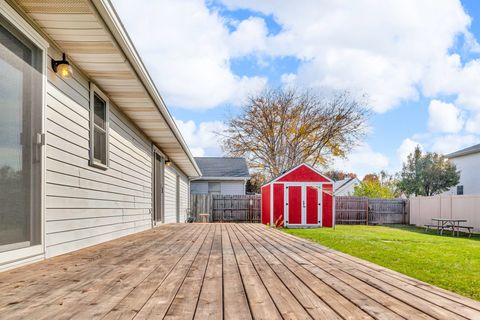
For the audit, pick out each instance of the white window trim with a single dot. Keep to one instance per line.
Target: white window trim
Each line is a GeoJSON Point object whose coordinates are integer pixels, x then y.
{"type": "Point", "coordinates": [13, 17]}
{"type": "Point", "coordinates": [93, 162]}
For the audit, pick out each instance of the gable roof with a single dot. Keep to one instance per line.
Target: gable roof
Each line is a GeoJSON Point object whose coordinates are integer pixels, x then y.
{"type": "Point", "coordinates": [340, 184]}
{"type": "Point", "coordinates": [284, 177]}
{"type": "Point", "coordinates": [464, 152]}
{"type": "Point", "coordinates": [222, 167]}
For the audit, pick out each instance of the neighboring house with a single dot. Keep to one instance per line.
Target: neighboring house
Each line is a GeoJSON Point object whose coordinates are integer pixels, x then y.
{"type": "Point", "coordinates": [88, 157]}
{"type": "Point", "coordinates": [221, 175]}
{"type": "Point", "coordinates": [468, 163]}
{"type": "Point", "coordinates": [345, 187]}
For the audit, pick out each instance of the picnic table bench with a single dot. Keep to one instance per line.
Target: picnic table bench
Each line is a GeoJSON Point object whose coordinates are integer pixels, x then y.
{"type": "Point", "coordinates": [449, 224]}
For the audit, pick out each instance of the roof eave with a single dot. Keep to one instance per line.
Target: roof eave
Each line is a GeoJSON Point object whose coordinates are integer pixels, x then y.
{"type": "Point", "coordinates": [110, 17]}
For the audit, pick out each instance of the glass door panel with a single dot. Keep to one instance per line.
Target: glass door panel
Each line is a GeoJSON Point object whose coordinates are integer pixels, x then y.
{"type": "Point", "coordinates": [20, 150]}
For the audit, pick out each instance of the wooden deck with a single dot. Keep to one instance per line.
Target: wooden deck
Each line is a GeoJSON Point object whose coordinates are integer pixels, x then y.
{"type": "Point", "coordinates": [215, 271]}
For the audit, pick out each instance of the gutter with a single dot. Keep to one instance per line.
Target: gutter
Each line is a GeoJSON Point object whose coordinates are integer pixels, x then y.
{"type": "Point", "coordinates": [110, 17]}
{"type": "Point", "coordinates": [220, 178]}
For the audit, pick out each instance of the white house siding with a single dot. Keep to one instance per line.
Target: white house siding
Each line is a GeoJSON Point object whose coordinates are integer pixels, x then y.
{"type": "Point", "coordinates": [199, 187]}
{"type": "Point", "coordinates": [184, 198]}
{"type": "Point", "coordinates": [85, 205]}
{"type": "Point", "coordinates": [226, 187]}
{"type": "Point", "coordinates": [233, 187]}
{"type": "Point", "coordinates": [469, 173]}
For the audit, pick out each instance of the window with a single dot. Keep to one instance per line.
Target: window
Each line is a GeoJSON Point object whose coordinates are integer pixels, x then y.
{"type": "Point", "coordinates": [98, 129]}
{"type": "Point", "coordinates": [459, 190]}
{"type": "Point", "coordinates": [21, 101]}
{"type": "Point", "coordinates": [214, 188]}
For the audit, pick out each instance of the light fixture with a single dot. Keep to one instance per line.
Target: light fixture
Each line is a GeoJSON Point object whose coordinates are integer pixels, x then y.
{"type": "Point", "coordinates": [168, 163]}
{"type": "Point", "coordinates": [62, 68]}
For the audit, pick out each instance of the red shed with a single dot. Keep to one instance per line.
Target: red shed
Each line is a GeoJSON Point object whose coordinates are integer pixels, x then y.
{"type": "Point", "coordinates": [301, 197]}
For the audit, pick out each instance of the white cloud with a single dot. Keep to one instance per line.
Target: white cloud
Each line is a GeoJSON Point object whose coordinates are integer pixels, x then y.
{"type": "Point", "coordinates": [473, 124]}
{"type": "Point", "coordinates": [388, 50]}
{"type": "Point", "coordinates": [453, 142]}
{"type": "Point", "coordinates": [407, 147]}
{"type": "Point", "coordinates": [444, 117]}
{"type": "Point", "coordinates": [202, 138]}
{"type": "Point", "coordinates": [362, 160]}
{"type": "Point", "coordinates": [187, 49]}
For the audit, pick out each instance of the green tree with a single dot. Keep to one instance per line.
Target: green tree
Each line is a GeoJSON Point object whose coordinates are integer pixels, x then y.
{"type": "Point", "coordinates": [427, 174]}
{"type": "Point", "coordinates": [373, 189]}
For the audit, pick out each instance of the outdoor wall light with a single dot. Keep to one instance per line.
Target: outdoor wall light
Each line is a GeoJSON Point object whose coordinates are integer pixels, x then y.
{"type": "Point", "coordinates": [62, 68]}
{"type": "Point", "coordinates": [168, 163]}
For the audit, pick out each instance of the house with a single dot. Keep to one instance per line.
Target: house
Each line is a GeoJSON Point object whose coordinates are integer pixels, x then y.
{"type": "Point", "coordinates": [345, 187]}
{"type": "Point", "coordinates": [221, 175]}
{"type": "Point", "coordinates": [88, 149]}
{"type": "Point", "coordinates": [300, 197]}
{"type": "Point", "coordinates": [467, 161]}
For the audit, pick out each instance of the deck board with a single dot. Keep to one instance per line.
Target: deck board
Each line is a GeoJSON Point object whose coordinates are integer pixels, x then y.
{"type": "Point", "coordinates": [219, 271]}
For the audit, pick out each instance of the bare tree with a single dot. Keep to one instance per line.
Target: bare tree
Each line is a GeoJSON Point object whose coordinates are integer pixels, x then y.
{"type": "Point", "coordinates": [279, 129]}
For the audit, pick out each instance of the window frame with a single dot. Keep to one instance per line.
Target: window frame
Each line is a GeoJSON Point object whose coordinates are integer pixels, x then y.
{"type": "Point", "coordinates": [219, 192]}
{"type": "Point", "coordinates": [35, 252]}
{"type": "Point", "coordinates": [94, 90]}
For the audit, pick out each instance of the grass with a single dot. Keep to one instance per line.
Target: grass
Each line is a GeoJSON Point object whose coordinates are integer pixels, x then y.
{"type": "Point", "coordinates": [449, 262]}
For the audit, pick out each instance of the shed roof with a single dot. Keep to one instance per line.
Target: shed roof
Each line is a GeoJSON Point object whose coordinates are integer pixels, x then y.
{"type": "Point", "coordinates": [464, 152]}
{"type": "Point", "coordinates": [223, 167]}
{"type": "Point", "coordinates": [299, 172]}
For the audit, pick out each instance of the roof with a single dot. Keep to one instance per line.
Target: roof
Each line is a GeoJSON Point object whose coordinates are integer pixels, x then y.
{"type": "Point", "coordinates": [464, 152]}
{"type": "Point", "coordinates": [338, 185]}
{"type": "Point", "coordinates": [92, 36]}
{"type": "Point", "coordinates": [223, 167]}
{"type": "Point", "coordinates": [298, 167]}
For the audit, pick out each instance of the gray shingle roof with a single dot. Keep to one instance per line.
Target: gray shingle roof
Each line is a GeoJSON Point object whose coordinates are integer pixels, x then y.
{"type": "Point", "coordinates": [223, 167]}
{"type": "Point", "coordinates": [463, 152]}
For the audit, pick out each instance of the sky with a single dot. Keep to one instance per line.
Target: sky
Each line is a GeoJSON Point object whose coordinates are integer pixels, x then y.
{"type": "Point", "coordinates": [418, 62]}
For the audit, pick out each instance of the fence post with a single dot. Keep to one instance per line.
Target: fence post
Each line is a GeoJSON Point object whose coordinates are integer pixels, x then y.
{"type": "Point", "coordinates": [366, 210]}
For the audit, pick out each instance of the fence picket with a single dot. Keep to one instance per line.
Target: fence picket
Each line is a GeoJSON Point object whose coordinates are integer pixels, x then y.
{"type": "Point", "coordinates": [349, 210]}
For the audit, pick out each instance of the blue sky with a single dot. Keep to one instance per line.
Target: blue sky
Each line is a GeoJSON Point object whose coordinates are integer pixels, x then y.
{"type": "Point", "coordinates": [419, 63]}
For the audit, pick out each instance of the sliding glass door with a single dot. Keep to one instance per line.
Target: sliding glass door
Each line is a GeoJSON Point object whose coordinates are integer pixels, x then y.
{"type": "Point", "coordinates": [20, 139]}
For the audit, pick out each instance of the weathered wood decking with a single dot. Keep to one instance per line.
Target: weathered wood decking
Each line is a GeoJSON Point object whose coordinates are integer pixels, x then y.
{"type": "Point", "coordinates": [215, 271]}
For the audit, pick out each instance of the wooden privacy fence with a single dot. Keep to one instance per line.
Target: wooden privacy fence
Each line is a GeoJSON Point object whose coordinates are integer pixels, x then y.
{"type": "Point", "coordinates": [348, 210]}
{"type": "Point", "coordinates": [363, 210]}
{"type": "Point", "coordinates": [226, 208]}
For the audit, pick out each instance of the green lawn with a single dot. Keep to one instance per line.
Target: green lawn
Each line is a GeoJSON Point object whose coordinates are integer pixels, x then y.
{"type": "Point", "coordinates": [444, 261]}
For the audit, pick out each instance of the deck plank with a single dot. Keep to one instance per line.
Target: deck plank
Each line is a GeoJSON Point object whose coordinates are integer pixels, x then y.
{"type": "Point", "coordinates": [261, 304]}
{"type": "Point", "coordinates": [219, 271]}
{"type": "Point", "coordinates": [235, 303]}
{"type": "Point", "coordinates": [210, 302]}
{"type": "Point", "coordinates": [423, 300]}
{"type": "Point", "coordinates": [185, 302]}
{"type": "Point", "coordinates": [308, 299]}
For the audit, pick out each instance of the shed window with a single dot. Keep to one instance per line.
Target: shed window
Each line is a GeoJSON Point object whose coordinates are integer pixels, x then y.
{"type": "Point", "coordinates": [214, 188]}
{"type": "Point", "coordinates": [98, 129]}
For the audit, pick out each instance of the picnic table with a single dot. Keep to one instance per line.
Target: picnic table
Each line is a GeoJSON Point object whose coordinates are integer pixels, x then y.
{"type": "Point", "coordinates": [449, 224]}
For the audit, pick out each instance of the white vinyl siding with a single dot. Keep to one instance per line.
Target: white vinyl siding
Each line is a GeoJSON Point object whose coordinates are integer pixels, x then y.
{"type": "Point", "coordinates": [469, 174]}
{"type": "Point", "coordinates": [85, 205]}
{"type": "Point", "coordinates": [184, 198]}
{"type": "Point", "coordinates": [233, 187]}
{"type": "Point", "coordinates": [171, 195]}
{"type": "Point", "coordinates": [199, 187]}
